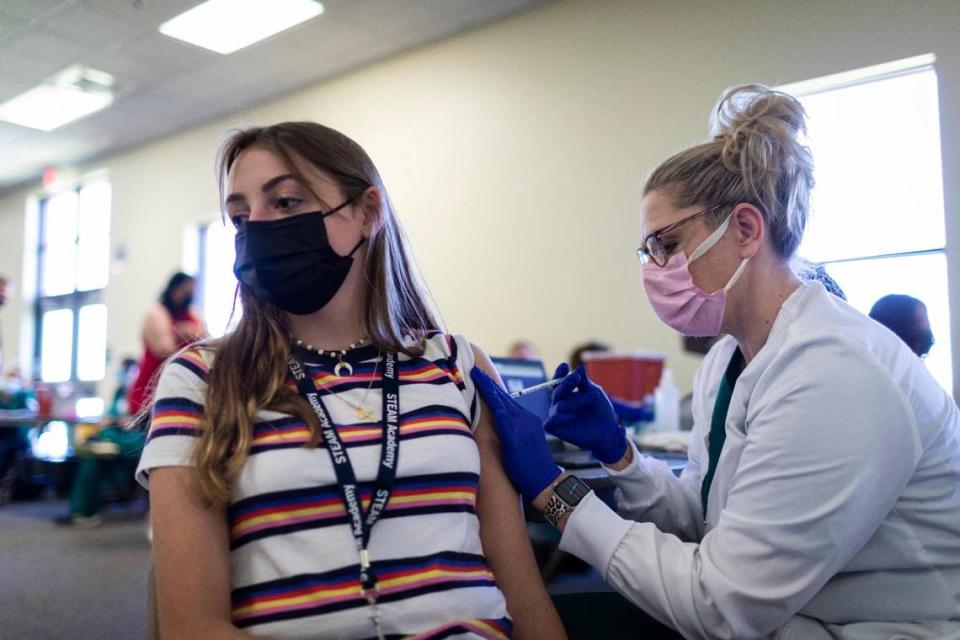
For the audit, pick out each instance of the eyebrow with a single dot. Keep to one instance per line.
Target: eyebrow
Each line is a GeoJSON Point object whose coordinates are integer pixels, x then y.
{"type": "Point", "coordinates": [269, 184]}
{"type": "Point", "coordinates": [655, 232]}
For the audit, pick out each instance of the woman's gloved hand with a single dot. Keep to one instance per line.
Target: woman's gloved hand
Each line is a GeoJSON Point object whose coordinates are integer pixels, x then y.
{"type": "Point", "coordinates": [523, 443]}
{"type": "Point", "coordinates": [582, 414]}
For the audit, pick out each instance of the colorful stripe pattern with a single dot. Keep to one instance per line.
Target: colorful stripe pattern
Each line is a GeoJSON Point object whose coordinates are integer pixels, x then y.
{"type": "Point", "coordinates": [193, 360]}
{"type": "Point", "coordinates": [486, 628]}
{"type": "Point", "coordinates": [275, 529]}
{"type": "Point", "coordinates": [175, 417]}
{"type": "Point", "coordinates": [290, 432]}
{"type": "Point", "coordinates": [413, 371]}
{"type": "Point", "coordinates": [281, 512]}
{"type": "Point", "coordinates": [314, 594]}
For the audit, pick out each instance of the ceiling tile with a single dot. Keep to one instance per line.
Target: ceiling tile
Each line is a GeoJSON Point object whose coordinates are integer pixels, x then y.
{"type": "Point", "coordinates": [46, 47]}
{"type": "Point", "coordinates": [141, 13]}
{"type": "Point", "coordinates": [9, 24]}
{"type": "Point", "coordinates": [20, 67]}
{"type": "Point", "coordinates": [34, 9]}
{"type": "Point", "coordinates": [92, 27]}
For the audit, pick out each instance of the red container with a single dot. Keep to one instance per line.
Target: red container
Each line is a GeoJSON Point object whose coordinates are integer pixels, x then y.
{"type": "Point", "coordinates": [44, 399]}
{"type": "Point", "coordinates": [629, 377]}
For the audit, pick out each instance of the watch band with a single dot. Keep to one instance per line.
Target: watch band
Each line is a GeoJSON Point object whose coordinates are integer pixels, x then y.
{"type": "Point", "coordinates": [567, 494]}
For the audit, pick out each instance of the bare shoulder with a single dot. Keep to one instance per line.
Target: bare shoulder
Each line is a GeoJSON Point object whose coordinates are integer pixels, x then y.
{"type": "Point", "coordinates": [485, 433]}
{"type": "Point", "coordinates": [482, 360]}
{"type": "Point", "coordinates": [157, 314]}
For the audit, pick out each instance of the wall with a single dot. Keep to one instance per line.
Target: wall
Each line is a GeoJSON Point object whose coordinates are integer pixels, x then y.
{"type": "Point", "coordinates": [14, 312]}
{"type": "Point", "coordinates": [515, 154]}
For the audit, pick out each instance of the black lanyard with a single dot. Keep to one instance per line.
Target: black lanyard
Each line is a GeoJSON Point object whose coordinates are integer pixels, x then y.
{"type": "Point", "coordinates": [360, 526]}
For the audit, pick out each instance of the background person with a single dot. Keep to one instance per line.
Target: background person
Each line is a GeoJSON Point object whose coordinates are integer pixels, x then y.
{"type": "Point", "coordinates": [820, 498]}
{"type": "Point", "coordinates": [523, 350]}
{"type": "Point", "coordinates": [107, 460]}
{"type": "Point", "coordinates": [575, 359]}
{"type": "Point", "coordinates": [14, 442]}
{"type": "Point", "coordinates": [907, 317]}
{"type": "Point", "coordinates": [169, 325]}
{"type": "Point", "coordinates": [4, 292]}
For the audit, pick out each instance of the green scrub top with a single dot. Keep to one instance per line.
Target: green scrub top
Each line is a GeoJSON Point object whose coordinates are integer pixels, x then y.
{"type": "Point", "coordinates": [718, 429]}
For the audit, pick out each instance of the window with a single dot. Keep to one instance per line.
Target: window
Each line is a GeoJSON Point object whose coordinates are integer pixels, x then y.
{"type": "Point", "coordinates": [73, 267]}
{"type": "Point", "coordinates": [877, 221]}
{"type": "Point", "coordinates": [216, 282]}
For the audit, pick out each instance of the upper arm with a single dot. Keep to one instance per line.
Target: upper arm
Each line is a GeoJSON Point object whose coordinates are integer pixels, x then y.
{"type": "Point", "coordinates": [191, 554]}
{"type": "Point", "coordinates": [503, 534]}
{"type": "Point", "coordinates": [158, 332]}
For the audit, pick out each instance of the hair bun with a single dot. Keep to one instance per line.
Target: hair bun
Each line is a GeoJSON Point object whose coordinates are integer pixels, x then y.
{"type": "Point", "coordinates": [755, 122]}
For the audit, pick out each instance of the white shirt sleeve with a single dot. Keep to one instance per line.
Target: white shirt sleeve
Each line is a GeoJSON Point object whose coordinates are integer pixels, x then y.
{"type": "Point", "coordinates": [648, 491]}
{"type": "Point", "coordinates": [176, 415]}
{"type": "Point", "coordinates": [464, 362]}
{"type": "Point", "coordinates": [830, 445]}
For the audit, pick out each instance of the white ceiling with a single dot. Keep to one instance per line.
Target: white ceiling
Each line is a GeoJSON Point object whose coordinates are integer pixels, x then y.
{"type": "Point", "coordinates": [166, 85]}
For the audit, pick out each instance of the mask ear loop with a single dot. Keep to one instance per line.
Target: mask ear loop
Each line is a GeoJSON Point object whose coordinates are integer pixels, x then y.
{"type": "Point", "coordinates": [711, 240]}
{"type": "Point", "coordinates": [357, 246]}
{"type": "Point", "coordinates": [708, 243]}
{"type": "Point", "coordinates": [736, 274]}
{"type": "Point", "coordinates": [326, 214]}
{"type": "Point", "coordinates": [333, 211]}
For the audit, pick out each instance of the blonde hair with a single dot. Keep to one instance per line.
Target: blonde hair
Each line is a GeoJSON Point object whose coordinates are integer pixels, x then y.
{"type": "Point", "coordinates": [251, 362]}
{"type": "Point", "coordinates": [754, 157]}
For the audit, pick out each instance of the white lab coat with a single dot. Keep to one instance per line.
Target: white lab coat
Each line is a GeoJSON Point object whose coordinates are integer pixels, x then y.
{"type": "Point", "coordinates": [835, 508]}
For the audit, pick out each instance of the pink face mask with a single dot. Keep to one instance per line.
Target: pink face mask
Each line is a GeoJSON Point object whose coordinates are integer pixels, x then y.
{"type": "Point", "coordinates": [678, 301]}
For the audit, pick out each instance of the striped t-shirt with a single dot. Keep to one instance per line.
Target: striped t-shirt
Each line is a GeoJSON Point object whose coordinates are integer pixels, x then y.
{"type": "Point", "coordinates": [294, 563]}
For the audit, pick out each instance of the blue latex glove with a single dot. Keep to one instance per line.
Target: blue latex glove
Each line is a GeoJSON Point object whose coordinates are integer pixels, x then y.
{"type": "Point", "coordinates": [523, 443]}
{"type": "Point", "coordinates": [624, 412]}
{"type": "Point", "coordinates": [581, 414]}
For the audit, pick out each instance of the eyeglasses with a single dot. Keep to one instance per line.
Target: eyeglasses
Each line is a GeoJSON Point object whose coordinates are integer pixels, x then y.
{"type": "Point", "coordinates": [653, 249]}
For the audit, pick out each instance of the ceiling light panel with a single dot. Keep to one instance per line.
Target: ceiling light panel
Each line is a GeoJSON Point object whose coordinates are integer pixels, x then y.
{"type": "Point", "coordinates": [67, 96]}
{"type": "Point", "coordinates": [225, 26]}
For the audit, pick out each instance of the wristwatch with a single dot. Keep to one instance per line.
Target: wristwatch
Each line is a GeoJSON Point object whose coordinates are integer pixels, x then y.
{"type": "Point", "coordinates": [566, 495]}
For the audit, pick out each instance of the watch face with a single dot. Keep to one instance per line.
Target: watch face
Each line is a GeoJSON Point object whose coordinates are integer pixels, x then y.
{"type": "Point", "coordinates": [572, 490]}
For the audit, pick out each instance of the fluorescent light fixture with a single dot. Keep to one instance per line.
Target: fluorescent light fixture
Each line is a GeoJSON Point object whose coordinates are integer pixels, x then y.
{"type": "Point", "coordinates": [225, 26]}
{"type": "Point", "coordinates": [71, 94]}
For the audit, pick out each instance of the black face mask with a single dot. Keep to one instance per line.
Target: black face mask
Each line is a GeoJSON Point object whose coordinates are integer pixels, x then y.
{"type": "Point", "coordinates": [290, 262]}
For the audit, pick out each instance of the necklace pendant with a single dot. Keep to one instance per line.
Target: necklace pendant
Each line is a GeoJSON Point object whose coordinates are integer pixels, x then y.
{"type": "Point", "coordinates": [341, 365]}
{"type": "Point", "coordinates": [362, 413]}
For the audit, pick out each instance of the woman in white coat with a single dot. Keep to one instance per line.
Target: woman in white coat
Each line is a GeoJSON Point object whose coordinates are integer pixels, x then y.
{"type": "Point", "coordinates": [822, 494]}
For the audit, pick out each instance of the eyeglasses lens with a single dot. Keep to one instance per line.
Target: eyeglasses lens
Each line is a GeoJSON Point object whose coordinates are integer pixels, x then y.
{"type": "Point", "coordinates": [655, 251]}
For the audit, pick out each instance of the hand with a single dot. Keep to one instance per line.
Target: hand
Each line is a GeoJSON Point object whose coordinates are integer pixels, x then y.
{"type": "Point", "coordinates": [582, 414]}
{"type": "Point", "coordinates": [523, 443]}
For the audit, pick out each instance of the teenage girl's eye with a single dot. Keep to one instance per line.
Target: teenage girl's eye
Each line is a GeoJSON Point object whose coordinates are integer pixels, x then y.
{"type": "Point", "coordinates": [239, 222]}
{"type": "Point", "coordinates": [287, 204]}
{"type": "Point", "coordinates": [669, 247]}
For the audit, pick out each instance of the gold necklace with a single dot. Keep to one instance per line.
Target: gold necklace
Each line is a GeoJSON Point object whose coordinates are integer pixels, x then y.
{"type": "Point", "coordinates": [333, 354]}
{"type": "Point", "coordinates": [361, 411]}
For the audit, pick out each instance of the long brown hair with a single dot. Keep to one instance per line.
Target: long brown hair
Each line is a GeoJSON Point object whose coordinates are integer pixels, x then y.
{"type": "Point", "coordinates": [250, 368]}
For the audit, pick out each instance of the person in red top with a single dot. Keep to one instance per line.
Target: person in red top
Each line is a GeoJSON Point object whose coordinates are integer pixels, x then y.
{"type": "Point", "coordinates": [169, 325]}
{"type": "Point", "coordinates": [109, 459]}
